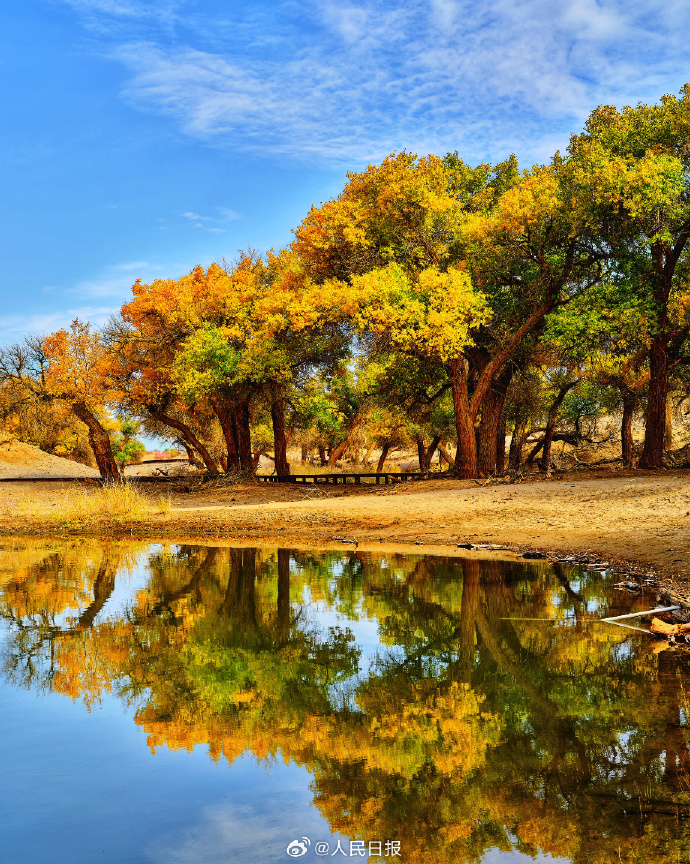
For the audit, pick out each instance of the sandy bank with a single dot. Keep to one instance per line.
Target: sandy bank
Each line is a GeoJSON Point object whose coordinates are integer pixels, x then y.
{"type": "Point", "coordinates": [638, 517]}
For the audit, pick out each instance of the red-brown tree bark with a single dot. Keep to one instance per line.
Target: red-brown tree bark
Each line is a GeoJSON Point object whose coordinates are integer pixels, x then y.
{"type": "Point", "coordinates": [467, 409]}
{"type": "Point", "coordinates": [501, 442]}
{"type": "Point", "coordinates": [488, 431]}
{"type": "Point", "coordinates": [243, 434]}
{"type": "Point", "coordinates": [551, 424]}
{"type": "Point", "coordinates": [630, 401]}
{"type": "Point", "coordinates": [466, 458]}
{"type": "Point", "coordinates": [655, 415]}
{"type": "Point", "coordinates": [337, 451]}
{"type": "Point", "coordinates": [188, 436]}
{"type": "Point", "coordinates": [426, 454]}
{"type": "Point", "coordinates": [279, 436]}
{"type": "Point", "coordinates": [517, 442]}
{"type": "Point", "coordinates": [99, 441]}
{"type": "Point", "coordinates": [227, 424]}
{"type": "Point", "coordinates": [421, 451]}
{"type": "Point", "coordinates": [384, 453]}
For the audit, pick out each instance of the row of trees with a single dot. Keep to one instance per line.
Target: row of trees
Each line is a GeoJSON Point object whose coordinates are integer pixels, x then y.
{"type": "Point", "coordinates": [422, 303]}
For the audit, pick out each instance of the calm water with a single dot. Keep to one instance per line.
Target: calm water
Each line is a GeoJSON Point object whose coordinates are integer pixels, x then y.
{"type": "Point", "coordinates": [202, 705]}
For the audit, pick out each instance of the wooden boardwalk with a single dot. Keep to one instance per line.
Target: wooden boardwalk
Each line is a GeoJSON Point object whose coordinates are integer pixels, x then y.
{"type": "Point", "coordinates": [356, 479]}
{"type": "Point", "coordinates": [306, 479]}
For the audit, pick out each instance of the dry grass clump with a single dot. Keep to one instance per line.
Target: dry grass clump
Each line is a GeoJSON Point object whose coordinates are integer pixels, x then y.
{"type": "Point", "coordinates": [111, 502]}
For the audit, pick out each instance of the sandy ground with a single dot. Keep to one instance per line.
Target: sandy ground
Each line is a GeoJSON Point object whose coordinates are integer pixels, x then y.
{"type": "Point", "coordinates": [24, 460]}
{"type": "Point", "coordinates": [641, 518]}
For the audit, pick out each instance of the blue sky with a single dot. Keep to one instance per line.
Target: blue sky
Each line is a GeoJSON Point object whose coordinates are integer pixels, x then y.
{"type": "Point", "coordinates": [142, 137]}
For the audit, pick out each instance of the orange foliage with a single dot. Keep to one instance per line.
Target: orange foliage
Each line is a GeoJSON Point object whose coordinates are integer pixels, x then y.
{"type": "Point", "coordinates": [79, 366]}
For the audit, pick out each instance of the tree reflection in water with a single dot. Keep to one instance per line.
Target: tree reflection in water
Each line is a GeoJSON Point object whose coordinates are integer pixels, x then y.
{"type": "Point", "coordinates": [476, 725]}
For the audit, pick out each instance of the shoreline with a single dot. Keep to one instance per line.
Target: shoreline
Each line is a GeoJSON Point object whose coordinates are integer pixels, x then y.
{"type": "Point", "coordinates": [637, 521]}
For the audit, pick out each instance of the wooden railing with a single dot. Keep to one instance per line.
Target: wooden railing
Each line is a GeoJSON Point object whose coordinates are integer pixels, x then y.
{"type": "Point", "coordinates": [384, 477]}
{"type": "Point", "coordinates": [356, 479]}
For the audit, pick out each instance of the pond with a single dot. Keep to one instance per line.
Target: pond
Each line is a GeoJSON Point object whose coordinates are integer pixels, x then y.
{"type": "Point", "coordinates": [205, 704]}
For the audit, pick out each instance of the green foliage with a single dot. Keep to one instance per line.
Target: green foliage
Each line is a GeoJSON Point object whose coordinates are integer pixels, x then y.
{"type": "Point", "coordinates": [126, 449]}
{"type": "Point", "coordinates": [583, 403]}
{"type": "Point", "coordinates": [206, 362]}
{"type": "Point", "coordinates": [327, 403]}
{"type": "Point", "coordinates": [478, 188]}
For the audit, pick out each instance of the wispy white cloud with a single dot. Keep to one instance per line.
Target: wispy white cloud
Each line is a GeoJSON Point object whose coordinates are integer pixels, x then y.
{"type": "Point", "coordinates": [369, 76]}
{"type": "Point", "coordinates": [113, 281]}
{"type": "Point", "coordinates": [93, 300]}
{"type": "Point", "coordinates": [126, 8]}
{"type": "Point", "coordinates": [112, 286]}
{"type": "Point", "coordinates": [13, 328]}
{"type": "Point", "coordinates": [445, 14]}
{"type": "Point", "coordinates": [226, 833]}
{"type": "Point", "coordinates": [212, 223]}
{"type": "Point", "coordinates": [118, 20]}
{"type": "Point", "coordinates": [273, 812]}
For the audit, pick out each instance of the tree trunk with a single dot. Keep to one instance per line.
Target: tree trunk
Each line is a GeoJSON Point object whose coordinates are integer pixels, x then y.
{"type": "Point", "coordinates": [384, 453]}
{"type": "Point", "coordinates": [337, 452]}
{"type": "Point", "coordinates": [243, 435]}
{"type": "Point", "coordinates": [466, 410]}
{"type": "Point", "coordinates": [99, 441]}
{"type": "Point", "coordinates": [548, 443]}
{"type": "Point", "coordinates": [421, 452]}
{"type": "Point", "coordinates": [445, 455]}
{"type": "Point", "coordinates": [279, 438]}
{"type": "Point", "coordinates": [668, 426]}
{"type": "Point", "coordinates": [489, 426]}
{"type": "Point", "coordinates": [191, 456]}
{"type": "Point", "coordinates": [494, 365]}
{"type": "Point", "coordinates": [517, 442]}
{"type": "Point", "coordinates": [224, 414]}
{"type": "Point", "coordinates": [466, 458]}
{"type": "Point", "coordinates": [630, 401]}
{"type": "Point", "coordinates": [664, 346]}
{"type": "Point", "coordinates": [303, 455]}
{"type": "Point", "coordinates": [551, 425]}
{"type": "Point", "coordinates": [533, 453]}
{"type": "Point", "coordinates": [322, 456]}
{"type": "Point", "coordinates": [188, 436]}
{"type": "Point", "coordinates": [370, 450]}
{"type": "Point", "coordinates": [340, 448]}
{"type": "Point", "coordinates": [430, 450]}
{"type": "Point", "coordinates": [501, 443]}
{"type": "Point", "coordinates": [283, 595]}
{"type": "Point", "coordinates": [655, 415]}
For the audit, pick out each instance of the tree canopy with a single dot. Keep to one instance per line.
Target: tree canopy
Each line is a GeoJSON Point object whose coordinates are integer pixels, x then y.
{"type": "Point", "coordinates": [435, 289]}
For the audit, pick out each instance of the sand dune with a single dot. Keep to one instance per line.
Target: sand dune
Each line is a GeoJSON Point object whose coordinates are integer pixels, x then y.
{"type": "Point", "coordinates": [24, 460]}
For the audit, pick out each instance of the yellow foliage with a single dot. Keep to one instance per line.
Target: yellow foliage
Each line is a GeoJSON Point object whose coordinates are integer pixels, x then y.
{"type": "Point", "coordinates": [431, 315]}
{"type": "Point", "coordinates": [400, 208]}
